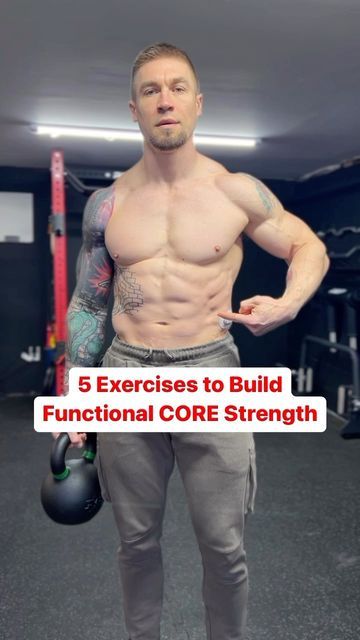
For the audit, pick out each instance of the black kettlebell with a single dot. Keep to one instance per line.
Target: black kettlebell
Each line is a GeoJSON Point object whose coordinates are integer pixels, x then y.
{"type": "Point", "coordinates": [71, 493]}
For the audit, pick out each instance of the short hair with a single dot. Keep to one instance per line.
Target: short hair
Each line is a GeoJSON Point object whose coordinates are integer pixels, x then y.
{"type": "Point", "coordinates": [160, 50]}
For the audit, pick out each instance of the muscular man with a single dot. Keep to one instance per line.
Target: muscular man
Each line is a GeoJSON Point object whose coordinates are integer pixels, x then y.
{"type": "Point", "coordinates": [168, 236]}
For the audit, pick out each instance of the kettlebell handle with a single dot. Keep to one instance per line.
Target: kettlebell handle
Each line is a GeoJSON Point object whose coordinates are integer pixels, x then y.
{"type": "Point", "coordinates": [58, 452]}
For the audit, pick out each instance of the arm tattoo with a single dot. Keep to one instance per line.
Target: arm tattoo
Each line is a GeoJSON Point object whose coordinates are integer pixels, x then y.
{"type": "Point", "coordinates": [88, 307]}
{"type": "Point", "coordinates": [94, 266]}
{"type": "Point", "coordinates": [267, 198]}
{"type": "Point", "coordinates": [98, 210]}
{"type": "Point", "coordinates": [265, 195]}
{"type": "Point", "coordinates": [86, 336]}
{"type": "Point", "coordinates": [94, 276]}
{"type": "Point", "coordinates": [128, 293]}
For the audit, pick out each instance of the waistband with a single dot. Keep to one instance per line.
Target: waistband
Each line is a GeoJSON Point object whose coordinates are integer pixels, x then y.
{"type": "Point", "coordinates": [146, 354]}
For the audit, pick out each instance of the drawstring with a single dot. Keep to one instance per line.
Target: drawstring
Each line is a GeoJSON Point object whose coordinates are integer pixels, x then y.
{"type": "Point", "coordinates": [149, 355]}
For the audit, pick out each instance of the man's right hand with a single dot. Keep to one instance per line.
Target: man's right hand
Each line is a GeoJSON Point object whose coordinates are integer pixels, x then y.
{"type": "Point", "coordinates": [77, 439]}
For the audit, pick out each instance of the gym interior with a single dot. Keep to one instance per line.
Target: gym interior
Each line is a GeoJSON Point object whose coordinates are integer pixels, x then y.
{"type": "Point", "coordinates": [285, 76]}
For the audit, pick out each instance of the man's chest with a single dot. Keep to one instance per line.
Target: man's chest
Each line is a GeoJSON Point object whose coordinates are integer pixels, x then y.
{"type": "Point", "coordinates": [192, 226]}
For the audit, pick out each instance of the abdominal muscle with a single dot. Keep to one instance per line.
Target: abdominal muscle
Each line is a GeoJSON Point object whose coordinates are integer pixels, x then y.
{"type": "Point", "coordinates": [164, 303]}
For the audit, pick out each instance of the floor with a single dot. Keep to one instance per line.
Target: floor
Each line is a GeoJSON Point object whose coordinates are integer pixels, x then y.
{"type": "Point", "coordinates": [302, 543]}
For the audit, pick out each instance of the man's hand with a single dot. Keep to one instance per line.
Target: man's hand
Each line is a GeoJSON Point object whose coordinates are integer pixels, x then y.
{"type": "Point", "coordinates": [261, 314]}
{"type": "Point", "coordinates": [77, 439]}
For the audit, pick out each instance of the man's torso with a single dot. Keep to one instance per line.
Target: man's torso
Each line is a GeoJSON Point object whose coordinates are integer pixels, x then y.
{"type": "Point", "coordinates": [177, 251]}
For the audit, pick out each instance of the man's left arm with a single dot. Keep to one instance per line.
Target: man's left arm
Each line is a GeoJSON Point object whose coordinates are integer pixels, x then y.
{"type": "Point", "coordinates": [285, 236]}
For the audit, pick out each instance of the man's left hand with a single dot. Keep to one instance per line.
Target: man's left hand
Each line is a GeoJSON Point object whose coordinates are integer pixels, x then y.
{"type": "Point", "coordinates": [261, 314]}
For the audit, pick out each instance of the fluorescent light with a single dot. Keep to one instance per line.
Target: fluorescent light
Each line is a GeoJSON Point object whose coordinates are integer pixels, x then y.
{"type": "Point", "coordinates": [81, 132]}
{"type": "Point", "coordinates": [118, 134]}
{"type": "Point", "coordinates": [224, 141]}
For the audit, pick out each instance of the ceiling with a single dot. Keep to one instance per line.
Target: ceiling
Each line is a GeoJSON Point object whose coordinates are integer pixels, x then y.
{"type": "Point", "coordinates": [284, 71]}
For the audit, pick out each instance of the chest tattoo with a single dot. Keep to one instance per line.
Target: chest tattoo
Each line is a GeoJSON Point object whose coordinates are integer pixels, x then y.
{"type": "Point", "coordinates": [127, 292]}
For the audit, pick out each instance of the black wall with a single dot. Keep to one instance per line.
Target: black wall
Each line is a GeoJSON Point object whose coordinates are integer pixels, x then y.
{"type": "Point", "coordinates": [329, 201]}
{"type": "Point", "coordinates": [26, 277]}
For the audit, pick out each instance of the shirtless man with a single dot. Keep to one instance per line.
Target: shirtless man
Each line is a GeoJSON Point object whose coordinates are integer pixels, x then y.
{"type": "Point", "coordinates": [168, 236]}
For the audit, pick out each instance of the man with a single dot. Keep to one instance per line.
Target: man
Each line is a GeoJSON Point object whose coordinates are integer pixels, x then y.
{"type": "Point", "coordinates": [168, 236]}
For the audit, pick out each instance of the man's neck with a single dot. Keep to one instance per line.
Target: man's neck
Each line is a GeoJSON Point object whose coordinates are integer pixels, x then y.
{"type": "Point", "coordinates": [169, 166]}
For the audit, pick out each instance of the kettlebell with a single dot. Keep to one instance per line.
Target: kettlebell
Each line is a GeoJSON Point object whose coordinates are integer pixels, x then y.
{"type": "Point", "coordinates": [71, 494]}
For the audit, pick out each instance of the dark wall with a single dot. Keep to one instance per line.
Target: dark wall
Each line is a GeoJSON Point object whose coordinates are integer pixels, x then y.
{"type": "Point", "coordinates": [329, 202]}
{"type": "Point", "coordinates": [26, 276]}
{"type": "Point", "coordinates": [332, 200]}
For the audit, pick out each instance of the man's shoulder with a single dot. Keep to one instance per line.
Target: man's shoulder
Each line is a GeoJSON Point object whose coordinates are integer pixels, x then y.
{"type": "Point", "coordinates": [102, 202]}
{"type": "Point", "coordinates": [236, 186]}
{"type": "Point", "coordinates": [230, 179]}
{"type": "Point", "coordinates": [128, 180]}
{"type": "Point", "coordinates": [103, 194]}
{"type": "Point", "coordinates": [251, 195]}
{"type": "Point", "coordinates": [99, 208]}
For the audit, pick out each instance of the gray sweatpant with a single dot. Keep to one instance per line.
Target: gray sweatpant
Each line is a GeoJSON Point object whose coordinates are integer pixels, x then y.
{"type": "Point", "coordinates": [219, 475]}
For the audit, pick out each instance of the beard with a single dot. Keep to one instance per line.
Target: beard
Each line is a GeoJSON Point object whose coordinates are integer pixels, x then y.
{"type": "Point", "coordinates": [166, 140]}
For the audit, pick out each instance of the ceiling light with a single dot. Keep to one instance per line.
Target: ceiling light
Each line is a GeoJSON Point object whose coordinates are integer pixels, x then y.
{"type": "Point", "coordinates": [81, 132]}
{"type": "Point", "coordinates": [224, 141]}
{"type": "Point", "coordinates": [119, 134]}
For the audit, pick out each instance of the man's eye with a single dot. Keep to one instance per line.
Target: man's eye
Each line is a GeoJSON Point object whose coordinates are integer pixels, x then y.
{"type": "Point", "coordinates": [149, 92]}
{"type": "Point", "coordinates": [179, 89]}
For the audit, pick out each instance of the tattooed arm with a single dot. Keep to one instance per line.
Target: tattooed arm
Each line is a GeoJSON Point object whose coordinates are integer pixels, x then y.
{"type": "Point", "coordinates": [286, 236]}
{"type": "Point", "coordinates": [88, 307]}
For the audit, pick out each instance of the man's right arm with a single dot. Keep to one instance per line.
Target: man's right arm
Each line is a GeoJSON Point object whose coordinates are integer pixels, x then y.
{"type": "Point", "coordinates": [87, 312]}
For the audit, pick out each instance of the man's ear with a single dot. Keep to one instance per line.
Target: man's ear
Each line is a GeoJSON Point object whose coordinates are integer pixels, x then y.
{"type": "Point", "coordinates": [199, 103]}
{"type": "Point", "coordinates": [132, 108]}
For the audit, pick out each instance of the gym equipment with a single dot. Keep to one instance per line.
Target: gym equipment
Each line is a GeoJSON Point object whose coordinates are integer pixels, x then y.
{"type": "Point", "coordinates": [346, 254]}
{"type": "Point", "coordinates": [331, 301]}
{"type": "Point", "coordinates": [334, 363]}
{"type": "Point", "coordinates": [337, 232]}
{"type": "Point", "coordinates": [58, 246]}
{"type": "Point", "coordinates": [60, 178]}
{"type": "Point", "coordinates": [353, 299]}
{"type": "Point", "coordinates": [352, 428]}
{"type": "Point", "coordinates": [71, 494]}
{"type": "Point", "coordinates": [339, 307]}
{"type": "Point", "coordinates": [347, 259]}
{"type": "Point", "coordinates": [49, 353]}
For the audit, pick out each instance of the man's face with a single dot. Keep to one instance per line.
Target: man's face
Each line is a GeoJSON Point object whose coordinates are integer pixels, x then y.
{"type": "Point", "coordinates": [166, 103]}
